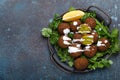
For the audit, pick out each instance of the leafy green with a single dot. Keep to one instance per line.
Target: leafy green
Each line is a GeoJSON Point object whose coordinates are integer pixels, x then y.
{"type": "Point", "coordinates": [87, 15]}
{"type": "Point", "coordinates": [93, 64]}
{"type": "Point", "coordinates": [46, 32]}
{"type": "Point", "coordinates": [97, 61]}
{"type": "Point", "coordinates": [115, 33]}
{"type": "Point", "coordinates": [102, 30]}
{"type": "Point", "coordinates": [71, 9]}
{"type": "Point", "coordinates": [115, 44]}
{"type": "Point", "coordinates": [70, 35]}
{"type": "Point", "coordinates": [54, 37]}
{"type": "Point", "coordinates": [56, 21]}
{"type": "Point", "coordinates": [64, 56]}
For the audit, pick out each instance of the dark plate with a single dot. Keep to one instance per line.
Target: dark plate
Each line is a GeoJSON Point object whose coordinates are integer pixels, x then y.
{"type": "Point", "coordinates": [101, 16]}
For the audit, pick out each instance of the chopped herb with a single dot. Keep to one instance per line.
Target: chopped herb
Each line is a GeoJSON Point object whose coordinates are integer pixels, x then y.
{"type": "Point", "coordinates": [64, 56]}
{"type": "Point", "coordinates": [46, 32]}
{"type": "Point", "coordinates": [99, 64]}
{"type": "Point", "coordinates": [71, 8]}
{"type": "Point", "coordinates": [70, 35]}
{"type": "Point", "coordinates": [102, 30]}
{"type": "Point", "coordinates": [56, 21]}
{"type": "Point", "coordinates": [54, 37]}
{"type": "Point", "coordinates": [87, 15]}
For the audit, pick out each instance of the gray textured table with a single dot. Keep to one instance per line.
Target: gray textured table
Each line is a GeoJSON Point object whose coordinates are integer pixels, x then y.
{"type": "Point", "coordinates": [24, 54]}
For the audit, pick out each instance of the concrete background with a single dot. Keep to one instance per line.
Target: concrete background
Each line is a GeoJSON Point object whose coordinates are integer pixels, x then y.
{"type": "Point", "coordinates": [24, 54]}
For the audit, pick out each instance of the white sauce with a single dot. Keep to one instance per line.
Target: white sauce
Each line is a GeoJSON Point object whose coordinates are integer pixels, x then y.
{"type": "Point", "coordinates": [72, 32]}
{"type": "Point", "coordinates": [66, 38]}
{"type": "Point", "coordinates": [90, 36]}
{"type": "Point", "coordinates": [94, 30]}
{"type": "Point", "coordinates": [99, 43]}
{"type": "Point", "coordinates": [74, 49]}
{"type": "Point", "coordinates": [106, 41]}
{"type": "Point", "coordinates": [89, 44]}
{"type": "Point", "coordinates": [66, 43]}
{"type": "Point", "coordinates": [99, 36]}
{"type": "Point", "coordinates": [93, 33]}
{"type": "Point", "coordinates": [100, 29]}
{"type": "Point", "coordinates": [75, 23]}
{"type": "Point", "coordinates": [76, 40]}
{"type": "Point", "coordinates": [87, 47]}
{"type": "Point", "coordinates": [78, 45]}
{"type": "Point", "coordinates": [84, 31]}
{"type": "Point", "coordinates": [66, 31]}
{"type": "Point", "coordinates": [78, 27]}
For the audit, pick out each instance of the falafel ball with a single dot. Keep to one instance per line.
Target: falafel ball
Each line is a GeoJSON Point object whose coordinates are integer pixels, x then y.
{"type": "Point", "coordinates": [103, 44]}
{"type": "Point", "coordinates": [75, 54]}
{"type": "Point", "coordinates": [91, 22]}
{"type": "Point", "coordinates": [64, 41]}
{"type": "Point", "coordinates": [63, 28]}
{"type": "Point", "coordinates": [74, 24]}
{"type": "Point", "coordinates": [96, 36]}
{"type": "Point", "coordinates": [77, 36]}
{"type": "Point", "coordinates": [81, 63]}
{"type": "Point", "coordinates": [90, 51]}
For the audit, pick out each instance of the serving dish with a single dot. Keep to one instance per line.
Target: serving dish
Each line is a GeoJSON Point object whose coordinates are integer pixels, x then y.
{"type": "Point", "coordinates": [101, 16]}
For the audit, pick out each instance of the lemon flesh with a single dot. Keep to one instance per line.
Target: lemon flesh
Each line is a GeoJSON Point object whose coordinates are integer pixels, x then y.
{"type": "Point", "coordinates": [73, 15]}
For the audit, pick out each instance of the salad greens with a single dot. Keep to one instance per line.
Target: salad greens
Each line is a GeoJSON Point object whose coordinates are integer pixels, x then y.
{"type": "Point", "coordinates": [88, 14]}
{"type": "Point", "coordinates": [95, 62]}
{"type": "Point", "coordinates": [65, 57]}
{"type": "Point", "coordinates": [46, 32]}
{"type": "Point", "coordinates": [71, 9]}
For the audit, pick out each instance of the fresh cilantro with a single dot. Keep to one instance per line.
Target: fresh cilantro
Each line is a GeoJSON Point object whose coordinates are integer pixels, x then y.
{"type": "Point", "coordinates": [46, 32]}
{"type": "Point", "coordinates": [115, 33]}
{"type": "Point", "coordinates": [71, 9]}
{"type": "Point", "coordinates": [56, 21]}
{"type": "Point", "coordinates": [70, 35]}
{"type": "Point", "coordinates": [54, 37]}
{"type": "Point", "coordinates": [93, 64]}
{"type": "Point", "coordinates": [87, 15]}
{"type": "Point", "coordinates": [64, 56]}
{"type": "Point", "coordinates": [102, 30]}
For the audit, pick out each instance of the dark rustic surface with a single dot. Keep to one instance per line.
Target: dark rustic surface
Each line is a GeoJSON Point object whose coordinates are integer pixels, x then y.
{"type": "Point", "coordinates": [24, 53]}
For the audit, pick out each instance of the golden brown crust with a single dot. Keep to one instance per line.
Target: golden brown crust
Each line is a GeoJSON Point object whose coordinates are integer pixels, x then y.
{"type": "Point", "coordinates": [91, 22]}
{"type": "Point", "coordinates": [63, 26]}
{"type": "Point", "coordinates": [74, 27]}
{"type": "Point", "coordinates": [107, 45]}
{"type": "Point", "coordinates": [91, 52]}
{"type": "Point", "coordinates": [81, 63]}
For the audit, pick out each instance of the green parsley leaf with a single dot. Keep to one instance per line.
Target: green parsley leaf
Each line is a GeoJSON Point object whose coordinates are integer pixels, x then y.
{"type": "Point", "coordinates": [65, 56]}
{"type": "Point", "coordinates": [115, 33]}
{"type": "Point", "coordinates": [71, 9]}
{"type": "Point", "coordinates": [54, 37]}
{"type": "Point", "coordinates": [56, 21]}
{"type": "Point", "coordinates": [87, 15]}
{"type": "Point", "coordinates": [46, 32]}
{"type": "Point", "coordinates": [70, 35]}
{"type": "Point", "coordinates": [102, 30]}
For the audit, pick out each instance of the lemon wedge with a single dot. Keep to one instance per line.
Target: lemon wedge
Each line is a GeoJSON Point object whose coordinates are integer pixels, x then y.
{"type": "Point", "coordinates": [73, 15]}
